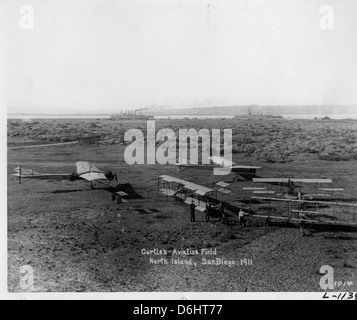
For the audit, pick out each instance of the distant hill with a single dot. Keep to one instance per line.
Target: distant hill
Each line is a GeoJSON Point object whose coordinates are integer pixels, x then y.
{"type": "Point", "coordinates": [255, 109]}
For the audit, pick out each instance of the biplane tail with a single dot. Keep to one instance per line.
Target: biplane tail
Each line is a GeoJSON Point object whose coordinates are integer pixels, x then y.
{"type": "Point", "coordinates": [24, 173]}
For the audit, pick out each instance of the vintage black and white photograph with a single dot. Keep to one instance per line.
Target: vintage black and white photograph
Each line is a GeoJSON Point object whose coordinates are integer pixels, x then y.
{"type": "Point", "coordinates": [181, 147]}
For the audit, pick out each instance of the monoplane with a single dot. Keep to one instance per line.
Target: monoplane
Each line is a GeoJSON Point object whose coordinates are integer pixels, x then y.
{"type": "Point", "coordinates": [85, 171]}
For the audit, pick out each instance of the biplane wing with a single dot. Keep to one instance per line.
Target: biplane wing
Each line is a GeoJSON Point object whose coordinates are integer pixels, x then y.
{"type": "Point", "coordinates": [222, 162]}
{"type": "Point", "coordinates": [216, 162]}
{"type": "Point", "coordinates": [85, 167]}
{"type": "Point", "coordinates": [247, 169]}
{"type": "Point", "coordinates": [93, 176]}
{"type": "Point", "coordinates": [219, 162]}
{"type": "Point", "coordinates": [226, 163]}
{"type": "Point", "coordinates": [286, 180]}
{"type": "Point", "coordinates": [89, 172]}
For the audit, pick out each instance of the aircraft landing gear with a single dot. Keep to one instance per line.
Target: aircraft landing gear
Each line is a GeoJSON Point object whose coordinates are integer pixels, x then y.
{"type": "Point", "coordinates": [91, 186]}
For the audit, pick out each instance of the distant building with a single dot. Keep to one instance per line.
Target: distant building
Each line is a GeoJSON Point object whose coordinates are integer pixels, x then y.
{"type": "Point", "coordinates": [132, 115]}
{"type": "Point", "coordinates": [256, 112]}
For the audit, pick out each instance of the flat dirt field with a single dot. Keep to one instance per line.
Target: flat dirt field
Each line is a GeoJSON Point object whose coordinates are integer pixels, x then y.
{"type": "Point", "coordinates": [79, 240]}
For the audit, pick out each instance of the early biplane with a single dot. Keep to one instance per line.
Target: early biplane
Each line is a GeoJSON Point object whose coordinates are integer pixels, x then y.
{"type": "Point", "coordinates": [303, 212]}
{"type": "Point", "coordinates": [293, 187]}
{"type": "Point", "coordinates": [219, 162]}
{"type": "Point", "coordinates": [203, 197]}
{"type": "Point", "coordinates": [185, 191]}
{"type": "Point", "coordinates": [85, 171]}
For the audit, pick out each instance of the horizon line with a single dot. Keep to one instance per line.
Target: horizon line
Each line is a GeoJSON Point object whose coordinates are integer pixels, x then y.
{"type": "Point", "coordinates": [109, 111]}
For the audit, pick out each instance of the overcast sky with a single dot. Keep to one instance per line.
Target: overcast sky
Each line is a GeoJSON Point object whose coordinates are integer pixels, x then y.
{"type": "Point", "coordinates": [98, 55]}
